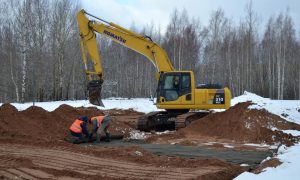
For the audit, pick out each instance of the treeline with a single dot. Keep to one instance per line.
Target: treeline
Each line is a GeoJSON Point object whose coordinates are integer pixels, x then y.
{"type": "Point", "coordinates": [40, 55]}
{"type": "Point", "coordinates": [39, 51]}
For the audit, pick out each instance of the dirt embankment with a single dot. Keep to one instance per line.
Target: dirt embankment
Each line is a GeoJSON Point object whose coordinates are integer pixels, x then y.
{"type": "Point", "coordinates": [37, 124]}
{"type": "Point", "coordinates": [238, 124]}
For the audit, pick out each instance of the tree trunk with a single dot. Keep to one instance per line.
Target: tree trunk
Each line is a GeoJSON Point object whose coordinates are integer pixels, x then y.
{"type": "Point", "coordinates": [13, 77]}
{"type": "Point", "coordinates": [24, 76]}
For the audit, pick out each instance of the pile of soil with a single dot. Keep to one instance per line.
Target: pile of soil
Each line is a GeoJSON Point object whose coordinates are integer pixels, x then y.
{"type": "Point", "coordinates": [239, 124]}
{"type": "Point", "coordinates": [35, 123]}
{"type": "Point", "coordinates": [244, 125]}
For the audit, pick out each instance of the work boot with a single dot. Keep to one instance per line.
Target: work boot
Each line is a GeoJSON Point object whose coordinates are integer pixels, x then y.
{"type": "Point", "coordinates": [97, 138]}
{"type": "Point", "coordinates": [107, 139]}
{"type": "Point", "coordinates": [91, 138]}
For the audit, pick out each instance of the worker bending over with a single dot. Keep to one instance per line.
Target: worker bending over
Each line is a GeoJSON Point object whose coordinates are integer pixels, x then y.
{"type": "Point", "coordinates": [79, 128]}
{"type": "Point", "coordinates": [100, 125]}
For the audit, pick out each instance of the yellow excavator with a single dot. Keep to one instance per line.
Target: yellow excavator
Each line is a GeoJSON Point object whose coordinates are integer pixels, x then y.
{"type": "Point", "coordinates": [176, 92]}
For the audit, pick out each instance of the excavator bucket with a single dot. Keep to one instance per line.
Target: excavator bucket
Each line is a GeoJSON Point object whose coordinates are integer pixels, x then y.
{"type": "Point", "coordinates": [94, 90]}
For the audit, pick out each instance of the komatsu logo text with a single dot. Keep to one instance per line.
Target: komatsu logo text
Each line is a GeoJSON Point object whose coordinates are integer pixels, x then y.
{"type": "Point", "coordinates": [119, 38]}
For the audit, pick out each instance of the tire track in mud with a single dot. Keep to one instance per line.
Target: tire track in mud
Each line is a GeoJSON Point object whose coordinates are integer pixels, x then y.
{"type": "Point", "coordinates": [64, 160]}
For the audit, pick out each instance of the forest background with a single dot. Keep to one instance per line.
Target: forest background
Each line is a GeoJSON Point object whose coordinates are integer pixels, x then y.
{"type": "Point", "coordinates": [41, 60]}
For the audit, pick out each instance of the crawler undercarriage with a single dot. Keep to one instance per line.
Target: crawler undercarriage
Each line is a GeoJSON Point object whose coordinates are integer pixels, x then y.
{"type": "Point", "coordinates": [168, 120]}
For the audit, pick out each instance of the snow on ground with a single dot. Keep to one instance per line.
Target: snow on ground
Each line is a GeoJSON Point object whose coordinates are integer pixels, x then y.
{"type": "Point", "coordinates": [289, 169]}
{"type": "Point", "coordinates": [244, 165]}
{"type": "Point", "coordinates": [286, 109]}
{"type": "Point", "coordinates": [228, 146]}
{"type": "Point", "coordinates": [289, 110]}
{"type": "Point", "coordinates": [262, 145]}
{"type": "Point", "coordinates": [134, 134]}
{"type": "Point", "coordinates": [137, 104]}
{"type": "Point", "coordinates": [292, 132]}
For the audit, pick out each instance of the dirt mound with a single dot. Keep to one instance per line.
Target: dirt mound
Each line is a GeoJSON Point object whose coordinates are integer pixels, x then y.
{"type": "Point", "coordinates": [238, 124]}
{"type": "Point", "coordinates": [244, 125]}
{"type": "Point", "coordinates": [274, 162]}
{"type": "Point", "coordinates": [35, 123]}
{"type": "Point", "coordinates": [122, 112]}
{"type": "Point", "coordinates": [8, 108]}
{"type": "Point", "coordinates": [67, 111]}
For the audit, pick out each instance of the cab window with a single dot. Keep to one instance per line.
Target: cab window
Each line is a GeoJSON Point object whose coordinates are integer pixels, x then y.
{"type": "Point", "coordinates": [186, 81]}
{"type": "Point", "coordinates": [172, 82]}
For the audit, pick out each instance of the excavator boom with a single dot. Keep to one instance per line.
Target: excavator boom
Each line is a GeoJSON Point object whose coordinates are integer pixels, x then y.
{"type": "Point", "coordinates": [132, 40]}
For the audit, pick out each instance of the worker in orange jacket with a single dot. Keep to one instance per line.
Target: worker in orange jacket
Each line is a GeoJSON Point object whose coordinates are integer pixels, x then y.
{"type": "Point", "coordinates": [100, 125]}
{"type": "Point", "coordinates": [79, 127]}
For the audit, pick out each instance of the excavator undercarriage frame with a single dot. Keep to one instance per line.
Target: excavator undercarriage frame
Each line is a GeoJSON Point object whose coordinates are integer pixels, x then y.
{"type": "Point", "coordinates": [168, 120]}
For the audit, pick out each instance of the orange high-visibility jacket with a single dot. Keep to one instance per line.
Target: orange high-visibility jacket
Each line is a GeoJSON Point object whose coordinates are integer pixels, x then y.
{"type": "Point", "coordinates": [75, 127]}
{"type": "Point", "coordinates": [99, 119]}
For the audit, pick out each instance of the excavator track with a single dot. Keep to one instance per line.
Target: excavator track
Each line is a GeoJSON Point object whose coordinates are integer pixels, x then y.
{"type": "Point", "coordinates": [181, 120]}
{"type": "Point", "coordinates": [157, 121]}
{"type": "Point", "coordinates": [186, 119]}
{"type": "Point", "coordinates": [143, 121]}
{"type": "Point", "coordinates": [162, 120]}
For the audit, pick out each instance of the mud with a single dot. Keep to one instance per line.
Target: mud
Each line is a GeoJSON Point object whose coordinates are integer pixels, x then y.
{"type": "Point", "coordinates": [252, 158]}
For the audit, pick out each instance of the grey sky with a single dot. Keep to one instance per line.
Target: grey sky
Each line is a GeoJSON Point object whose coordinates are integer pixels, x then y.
{"type": "Point", "coordinates": [143, 12]}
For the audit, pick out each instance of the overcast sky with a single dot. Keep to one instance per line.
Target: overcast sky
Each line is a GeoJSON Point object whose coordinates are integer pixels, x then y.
{"type": "Point", "coordinates": [143, 12]}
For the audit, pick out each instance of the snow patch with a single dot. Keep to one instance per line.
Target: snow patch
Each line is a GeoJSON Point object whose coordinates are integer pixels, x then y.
{"type": "Point", "coordinates": [248, 125]}
{"type": "Point", "coordinates": [138, 153]}
{"type": "Point", "coordinates": [228, 146]}
{"type": "Point", "coordinates": [137, 135]}
{"type": "Point", "coordinates": [286, 109]}
{"type": "Point", "coordinates": [257, 145]}
{"type": "Point", "coordinates": [289, 169]}
{"type": "Point", "coordinates": [164, 132]}
{"type": "Point", "coordinates": [292, 132]}
{"type": "Point", "coordinates": [244, 165]}
{"type": "Point", "coordinates": [268, 158]}
{"type": "Point", "coordinates": [138, 104]}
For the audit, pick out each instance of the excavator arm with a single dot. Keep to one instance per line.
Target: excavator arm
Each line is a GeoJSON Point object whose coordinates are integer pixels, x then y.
{"type": "Point", "coordinates": [132, 40]}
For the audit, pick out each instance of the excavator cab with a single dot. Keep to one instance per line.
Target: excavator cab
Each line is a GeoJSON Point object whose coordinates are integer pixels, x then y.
{"type": "Point", "coordinates": [173, 86]}
{"type": "Point", "coordinates": [94, 92]}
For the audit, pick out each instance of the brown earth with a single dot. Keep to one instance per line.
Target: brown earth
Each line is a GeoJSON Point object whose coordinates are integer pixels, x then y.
{"type": "Point", "coordinates": [273, 162]}
{"type": "Point", "coordinates": [238, 124]}
{"type": "Point", "coordinates": [41, 125]}
{"type": "Point", "coordinates": [32, 162]}
{"type": "Point", "coordinates": [32, 147]}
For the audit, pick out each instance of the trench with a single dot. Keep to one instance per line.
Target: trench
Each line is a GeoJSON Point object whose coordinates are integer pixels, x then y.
{"type": "Point", "coordinates": [251, 158]}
